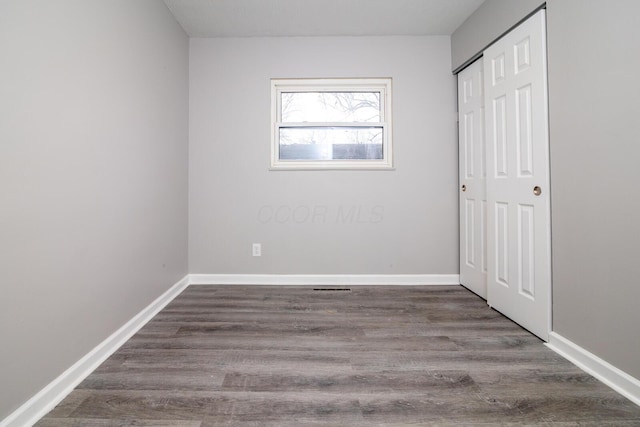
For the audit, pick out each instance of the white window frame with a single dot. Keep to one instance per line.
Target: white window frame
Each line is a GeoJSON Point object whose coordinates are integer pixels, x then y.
{"type": "Point", "coordinates": [382, 85]}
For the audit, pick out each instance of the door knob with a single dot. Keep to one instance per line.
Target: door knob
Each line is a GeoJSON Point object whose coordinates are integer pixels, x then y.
{"type": "Point", "coordinates": [464, 187]}
{"type": "Point", "coordinates": [537, 190]}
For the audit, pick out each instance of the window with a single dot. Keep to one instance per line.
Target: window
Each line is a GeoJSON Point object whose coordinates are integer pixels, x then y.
{"type": "Point", "coordinates": [331, 124]}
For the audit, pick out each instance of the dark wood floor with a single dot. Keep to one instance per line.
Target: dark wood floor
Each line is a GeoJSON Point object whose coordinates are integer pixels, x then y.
{"type": "Point", "coordinates": [375, 356]}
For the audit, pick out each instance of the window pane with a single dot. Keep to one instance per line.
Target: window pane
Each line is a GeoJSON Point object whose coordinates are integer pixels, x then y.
{"type": "Point", "coordinates": [330, 107]}
{"type": "Point", "coordinates": [331, 143]}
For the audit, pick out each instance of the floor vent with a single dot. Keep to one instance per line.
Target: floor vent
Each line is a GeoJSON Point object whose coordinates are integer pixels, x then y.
{"type": "Point", "coordinates": [332, 289]}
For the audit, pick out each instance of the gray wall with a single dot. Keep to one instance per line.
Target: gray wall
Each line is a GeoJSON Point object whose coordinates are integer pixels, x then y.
{"type": "Point", "coordinates": [594, 135]}
{"type": "Point", "coordinates": [595, 146]}
{"type": "Point", "coordinates": [490, 21]}
{"type": "Point", "coordinates": [402, 221]}
{"type": "Point", "coordinates": [93, 177]}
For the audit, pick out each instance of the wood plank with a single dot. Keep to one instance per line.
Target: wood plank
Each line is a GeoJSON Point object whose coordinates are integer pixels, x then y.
{"type": "Point", "coordinates": [375, 356]}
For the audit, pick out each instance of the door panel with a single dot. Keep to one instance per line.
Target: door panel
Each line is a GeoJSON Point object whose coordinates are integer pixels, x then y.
{"type": "Point", "coordinates": [519, 276]}
{"type": "Point", "coordinates": [526, 241]}
{"type": "Point", "coordinates": [470, 234]}
{"type": "Point", "coordinates": [499, 140]}
{"type": "Point", "coordinates": [502, 244]}
{"type": "Point", "coordinates": [473, 265]}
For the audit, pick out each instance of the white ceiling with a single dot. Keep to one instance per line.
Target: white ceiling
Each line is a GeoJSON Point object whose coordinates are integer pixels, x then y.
{"type": "Point", "coordinates": [253, 18]}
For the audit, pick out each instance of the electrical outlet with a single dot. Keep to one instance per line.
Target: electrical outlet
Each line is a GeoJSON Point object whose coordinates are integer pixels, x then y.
{"type": "Point", "coordinates": [257, 249]}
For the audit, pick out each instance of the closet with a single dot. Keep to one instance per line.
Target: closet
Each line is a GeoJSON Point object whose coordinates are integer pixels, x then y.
{"type": "Point", "coordinates": [505, 230]}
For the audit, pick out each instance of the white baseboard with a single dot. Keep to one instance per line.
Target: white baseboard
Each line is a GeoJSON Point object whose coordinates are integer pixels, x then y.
{"type": "Point", "coordinates": [618, 380]}
{"type": "Point", "coordinates": [324, 279]}
{"type": "Point", "coordinates": [52, 394]}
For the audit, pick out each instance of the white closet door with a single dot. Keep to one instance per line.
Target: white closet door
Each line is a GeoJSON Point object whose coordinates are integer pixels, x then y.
{"type": "Point", "coordinates": [519, 273]}
{"type": "Point", "coordinates": [472, 167]}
